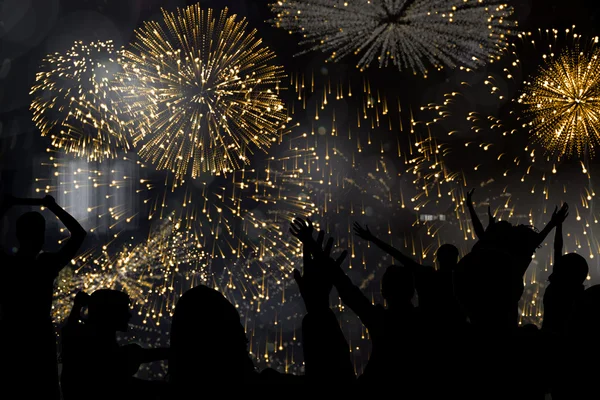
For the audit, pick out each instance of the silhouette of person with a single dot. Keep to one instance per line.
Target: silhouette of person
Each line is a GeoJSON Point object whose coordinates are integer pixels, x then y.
{"type": "Point", "coordinates": [491, 348]}
{"type": "Point", "coordinates": [574, 366]}
{"type": "Point", "coordinates": [518, 242]}
{"type": "Point", "coordinates": [26, 311]}
{"type": "Point", "coordinates": [326, 351]}
{"type": "Point", "coordinates": [434, 287]}
{"type": "Point", "coordinates": [94, 365]}
{"type": "Point", "coordinates": [209, 344]}
{"type": "Point", "coordinates": [566, 284]}
{"type": "Point", "coordinates": [386, 327]}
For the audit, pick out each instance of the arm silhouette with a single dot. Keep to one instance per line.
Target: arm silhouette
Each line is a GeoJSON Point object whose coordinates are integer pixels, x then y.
{"type": "Point", "coordinates": [326, 351]}
{"type": "Point", "coordinates": [365, 233]}
{"type": "Point", "coordinates": [477, 225]}
{"type": "Point", "coordinates": [558, 235]}
{"type": "Point", "coordinates": [352, 296]}
{"type": "Point", "coordinates": [558, 217]}
{"type": "Point", "coordinates": [78, 234]}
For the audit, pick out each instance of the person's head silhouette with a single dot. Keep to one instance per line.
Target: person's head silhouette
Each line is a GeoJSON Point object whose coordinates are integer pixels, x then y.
{"type": "Point", "coordinates": [447, 256]}
{"type": "Point", "coordinates": [571, 269]}
{"type": "Point", "coordinates": [31, 231]}
{"type": "Point", "coordinates": [397, 285]}
{"type": "Point", "coordinates": [109, 310]}
{"type": "Point", "coordinates": [207, 338]}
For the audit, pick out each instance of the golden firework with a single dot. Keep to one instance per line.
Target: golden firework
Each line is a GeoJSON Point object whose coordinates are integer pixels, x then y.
{"type": "Point", "coordinates": [562, 103]}
{"type": "Point", "coordinates": [147, 271]}
{"type": "Point", "coordinates": [74, 105]}
{"type": "Point", "coordinates": [201, 92]}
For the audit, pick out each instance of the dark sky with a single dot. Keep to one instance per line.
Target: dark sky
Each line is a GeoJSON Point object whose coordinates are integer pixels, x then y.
{"type": "Point", "coordinates": [32, 28]}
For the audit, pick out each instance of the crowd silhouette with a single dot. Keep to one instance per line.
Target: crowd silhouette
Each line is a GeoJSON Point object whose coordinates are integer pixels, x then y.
{"type": "Point", "coordinates": [462, 340]}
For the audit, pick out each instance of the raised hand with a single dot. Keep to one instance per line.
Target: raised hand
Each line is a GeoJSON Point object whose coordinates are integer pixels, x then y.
{"type": "Point", "coordinates": [303, 230]}
{"type": "Point", "coordinates": [315, 283]}
{"type": "Point", "coordinates": [559, 216]}
{"type": "Point", "coordinates": [363, 233]}
{"type": "Point", "coordinates": [48, 201]}
{"type": "Point", "coordinates": [470, 197]}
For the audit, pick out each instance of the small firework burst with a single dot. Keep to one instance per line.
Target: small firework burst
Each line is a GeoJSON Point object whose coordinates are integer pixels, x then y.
{"type": "Point", "coordinates": [74, 105]}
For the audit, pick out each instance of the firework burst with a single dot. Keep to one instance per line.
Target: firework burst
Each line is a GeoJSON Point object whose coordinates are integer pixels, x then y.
{"type": "Point", "coordinates": [201, 91]}
{"type": "Point", "coordinates": [408, 34]}
{"type": "Point", "coordinates": [146, 271]}
{"type": "Point", "coordinates": [74, 105]}
{"type": "Point", "coordinates": [562, 102]}
{"type": "Point", "coordinates": [487, 137]}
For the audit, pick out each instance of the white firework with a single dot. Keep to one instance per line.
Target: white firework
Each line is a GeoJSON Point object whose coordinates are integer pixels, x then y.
{"type": "Point", "coordinates": [409, 33]}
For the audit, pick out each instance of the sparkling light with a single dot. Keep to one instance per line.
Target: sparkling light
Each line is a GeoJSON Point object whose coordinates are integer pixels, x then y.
{"type": "Point", "coordinates": [408, 34]}
{"type": "Point", "coordinates": [74, 105]}
{"type": "Point", "coordinates": [201, 92]}
{"type": "Point", "coordinates": [562, 103]}
{"type": "Point", "coordinates": [146, 271]}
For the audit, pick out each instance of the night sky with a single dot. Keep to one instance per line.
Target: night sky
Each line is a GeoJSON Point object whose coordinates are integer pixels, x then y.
{"type": "Point", "coordinates": [30, 29]}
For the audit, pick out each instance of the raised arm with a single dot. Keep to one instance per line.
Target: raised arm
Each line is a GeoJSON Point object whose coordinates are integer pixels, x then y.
{"type": "Point", "coordinates": [558, 217]}
{"type": "Point", "coordinates": [352, 296]}
{"type": "Point", "coordinates": [558, 235]}
{"type": "Point", "coordinates": [365, 233]}
{"type": "Point", "coordinates": [9, 201]}
{"type": "Point", "coordinates": [477, 225]}
{"type": "Point", "coordinates": [326, 351]}
{"type": "Point", "coordinates": [78, 234]}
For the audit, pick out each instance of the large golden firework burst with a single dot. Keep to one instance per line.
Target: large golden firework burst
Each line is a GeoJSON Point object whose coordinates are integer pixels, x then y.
{"type": "Point", "coordinates": [201, 91]}
{"type": "Point", "coordinates": [74, 105]}
{"type": "Point", "coordinates": [562, 102]}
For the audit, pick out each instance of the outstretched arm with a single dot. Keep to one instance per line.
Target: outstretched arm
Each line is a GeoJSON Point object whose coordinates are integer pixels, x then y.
{"type": "Point", "coordinates": [8, 201]}
{"type": "Point", "coordinates": [326, 351]}
{"type": "Point", "coordinates": [558, 243]}
{"type": "Point", "coordinates": [352, 296]}
{"type": "Point", "coordinates": [558, 217]}
{"type": "Point", "coordinates": [477, 225]}
{"type": "Point", "coordinates": [78, 234]}
{"type": "Point", "coordinates": [365, 233]}
{"type": "Point", "coordinates": [558, 235]}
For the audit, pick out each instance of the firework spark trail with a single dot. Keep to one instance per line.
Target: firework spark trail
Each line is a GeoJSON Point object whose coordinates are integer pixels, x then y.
{"type": "Point", "coordinates": [201, 92]}
{"type": "Point", "coordinates": [562, 103]}
{"type": "Point", "coordinates": [526, 168]}
{"type": "Point", "coordinates": [73, 102]}
{"type": "Point", "coordinates": [409, 34]}
{"type": "Point", "coordinates": [145, 271]}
